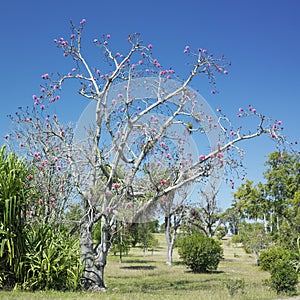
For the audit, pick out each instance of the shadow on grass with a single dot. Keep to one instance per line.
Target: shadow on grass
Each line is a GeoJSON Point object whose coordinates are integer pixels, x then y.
{"type": "Point", "coordinates": [207, 272]}
{"type": "Point", "coordinates": [137, 261]}
{"type": "Point", "coordinates": [138, 267]}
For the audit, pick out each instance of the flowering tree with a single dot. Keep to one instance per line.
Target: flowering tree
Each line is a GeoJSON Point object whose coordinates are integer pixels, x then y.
{"type": "Point", "coordinates": [45, 143]}
{"type": "Point", "coordinates": [144, 122]}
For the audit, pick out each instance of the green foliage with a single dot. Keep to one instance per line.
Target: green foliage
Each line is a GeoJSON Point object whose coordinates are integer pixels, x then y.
{"type": "Point", "coordinates": [269, 256]}
{"type": "Point", "coordinates": [142, 233]}
{"type": "Point", "coordinates": [284, 277]}
{"type": "Point", "coordinates": [221, 232]}
{"type": "Point", "coordinates": [254, 238]}
{"type": "Point", "coordinates": [200, 253]}
{"type": "Point", "coordinates": [14, 195]}
{"type": "Point", "coordinates": [235, 286]}
{"type": "Point", "coordinates": [52, 260]}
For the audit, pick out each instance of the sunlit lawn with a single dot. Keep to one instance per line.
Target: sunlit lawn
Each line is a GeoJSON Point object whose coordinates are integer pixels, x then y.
{"type": "Point", "coordinates": [148, 277]}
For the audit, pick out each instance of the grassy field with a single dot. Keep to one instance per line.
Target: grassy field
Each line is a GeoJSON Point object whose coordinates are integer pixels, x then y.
{"type": "Point", "coordinates": [148, 277]}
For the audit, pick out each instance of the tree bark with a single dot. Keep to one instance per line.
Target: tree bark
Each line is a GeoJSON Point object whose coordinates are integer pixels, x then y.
{"type": "Point", "coordinates": [94, 259]}
{"type": "Point", "coordinates": [170, 240]}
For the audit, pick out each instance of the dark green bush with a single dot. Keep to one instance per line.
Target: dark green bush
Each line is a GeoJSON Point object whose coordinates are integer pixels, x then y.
{"type": "Point", "coordinates": [200, 253]}
{"type": "Point", "coordinates": [269, 256]}
{"type": "Point", "coordinates": [284, 277]}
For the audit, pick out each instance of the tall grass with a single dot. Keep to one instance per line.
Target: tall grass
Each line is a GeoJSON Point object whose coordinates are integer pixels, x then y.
{"type": "Point", "coordinates": [148, 277]}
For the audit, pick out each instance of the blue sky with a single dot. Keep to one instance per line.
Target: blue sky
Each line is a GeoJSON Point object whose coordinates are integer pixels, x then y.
{"type": "Point", "coordinates": [260, 38]}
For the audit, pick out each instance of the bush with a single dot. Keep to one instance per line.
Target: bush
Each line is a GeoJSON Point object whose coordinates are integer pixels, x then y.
{"type": "Point", "coordinates": [53, 259]}
{"type": "Point", "coordinates": [200, 253]}
{"type": "Point", "coordinates": [269, 256]}
{"type": "Point", "coordinates": [284, 277]}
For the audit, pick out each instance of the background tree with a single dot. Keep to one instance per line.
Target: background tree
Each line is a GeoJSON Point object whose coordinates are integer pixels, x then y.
{"type": "Point", "coordinates": [207, 216]}
{"type": "Point", "coordinates": [143, 120]}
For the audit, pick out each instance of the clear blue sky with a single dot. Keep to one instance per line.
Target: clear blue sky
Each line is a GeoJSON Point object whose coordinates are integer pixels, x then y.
{"type": "Point", "coordinates": [260, 37]}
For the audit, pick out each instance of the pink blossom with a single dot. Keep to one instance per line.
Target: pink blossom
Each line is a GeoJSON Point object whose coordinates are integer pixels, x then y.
{"type": "Point", "coordinates": [163, 181]}
{"type": "Point", "coordinates": [58, 168]}
{"type": "Point", "coordinates": [241, 109]}
{"type": "Point", "coordinates": [43, 107]}
{"type": "Point", "coordinates": [43, 90]}
{"type": "Point", "coordinates": [129, 204]}
{"type": "Point", "coordinates": [158, 163]}
{"type": "Point", "coordinates": [28, 213]}
{"type": "Point", "coordinates": [108, 209]}
{"type": "Point", "coordinates": [150, 46]}
{"type": "Point", "coordinates": [116, 185]}
{"type": "Point", "coordinates": [108, 36]}
{"type": "Point", "coordinates": [40, 201]}
{"type": "Point", "coordinates": [220, 154]}
{"type": "Point", "coordinates": [30, 176]}
{"type": "Point", "coordinates": [55, 159]}
{"type": "Point", "coordinates": [202, 157]}
{"type": "Point", "coordinates": [54, 116]}
{"type": "Point", "coordinates": [213, 92]}
{"type": "Point", "coordinates": [107, 193]}
{"type": "Point", "coordinates": [83, 21]}
{"type": "Point", "coordinates": [6, 136]}
{"type": "Point", "coordinates": [225, 72]}
{"type": "Point", "coordinates": [279, 122]}
{"type": "Point", "coordinates": [45, 76]}
{"type": "Point", "coordinates": [21, 145]}
{"type": "Point", "coordinates": [239, 115]}
{"type": "Point", "coordinates": [53, 204]}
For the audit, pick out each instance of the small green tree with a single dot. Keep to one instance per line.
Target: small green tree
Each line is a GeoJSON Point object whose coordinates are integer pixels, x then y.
{"type": "Point", "coordinates": [284, 277]}
{"type": "Point", "coordinates": [254, 238]}
{"type": "Point", "coordinates": [269, 256]}
{"type": "Point", "coordinates": [200, 253]}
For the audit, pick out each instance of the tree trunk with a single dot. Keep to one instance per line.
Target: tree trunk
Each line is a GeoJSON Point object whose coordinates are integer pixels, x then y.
{"type": "Point", "coordinates": [94, 259]}
{"type": "Point", "coordinates": [170, 240]}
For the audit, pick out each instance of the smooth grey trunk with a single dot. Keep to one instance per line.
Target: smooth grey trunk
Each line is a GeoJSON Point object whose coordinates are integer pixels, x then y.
{"type": "Point", "coordinates": [94, 258]}
{"type": "Point", "coordinates": [170, 240]}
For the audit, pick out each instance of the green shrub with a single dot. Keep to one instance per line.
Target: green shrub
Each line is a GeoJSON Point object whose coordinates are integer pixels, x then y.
{"type": "Point", "coordinates": [200, 253]}
{"type": "Point", "coordinates": [269, 256]}
{"type": "Point", "coordinates": [15, 193]}
{"type": "Point", "coordinates": [234, 286]}
{"type": "Point", "coordinates": [284, 277]}
{"type": "Point", "coordinates": [52, 260]}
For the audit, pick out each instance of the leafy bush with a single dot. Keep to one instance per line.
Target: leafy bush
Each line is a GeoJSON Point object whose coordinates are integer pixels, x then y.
{"type": "Point", "coordinates": [52, 260]}
{"type": "Point", "coordinates": [269, 256]}
{"type": "Point", "coordinates": [200, 253]}
{"type": "Point", "coordinates": [14, 194]}
{"type": "Point", "coordinates": [284, 277]}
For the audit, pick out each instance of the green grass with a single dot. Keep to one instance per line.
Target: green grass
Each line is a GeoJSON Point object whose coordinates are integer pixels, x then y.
{"type": "Point", "coordinates": [148, 277]}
